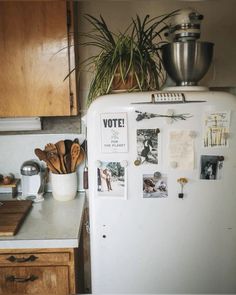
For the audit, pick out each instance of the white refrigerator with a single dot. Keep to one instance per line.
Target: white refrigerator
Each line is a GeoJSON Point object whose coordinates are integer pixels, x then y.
{"type": "Point", "coordinates": [162, 192]}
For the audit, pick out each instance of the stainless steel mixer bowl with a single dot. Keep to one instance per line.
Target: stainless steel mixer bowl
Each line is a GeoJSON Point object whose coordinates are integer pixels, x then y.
{"type": "Point", "coordinates": [187, 62]}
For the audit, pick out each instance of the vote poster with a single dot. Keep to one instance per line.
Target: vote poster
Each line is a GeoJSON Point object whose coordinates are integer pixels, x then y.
{"type": "Point", "coordinates": [114, 133]}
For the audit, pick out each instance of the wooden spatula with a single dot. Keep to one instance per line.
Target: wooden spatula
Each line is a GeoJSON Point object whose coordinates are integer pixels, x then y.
{"type": "Point", "coordinates": [42, 155]}
{"type": "Point", "coordinates": [61, 148]}
{"type": "Point", "coordinates": [55, 161]}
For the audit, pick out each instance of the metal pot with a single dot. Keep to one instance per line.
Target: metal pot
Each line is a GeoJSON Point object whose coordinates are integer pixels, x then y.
{"type": "Point", "coordinates": [187, 62]}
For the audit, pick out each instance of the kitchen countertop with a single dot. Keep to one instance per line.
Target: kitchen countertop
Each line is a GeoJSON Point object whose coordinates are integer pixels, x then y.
{"type": "Point", "coordinates": [49, 224]}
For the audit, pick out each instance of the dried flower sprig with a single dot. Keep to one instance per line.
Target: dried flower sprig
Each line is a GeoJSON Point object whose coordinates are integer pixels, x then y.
{"type": "Point", "coordinates": [182, 181]}
{"type": "Point", "coordinates": [142, 115]}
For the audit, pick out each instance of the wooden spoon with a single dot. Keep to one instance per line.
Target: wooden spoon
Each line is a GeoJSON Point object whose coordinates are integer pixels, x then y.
{"type": "Point", "coordinates": [81, 157]}
{"type": "Point", "coordinates": [42, 155]}
{"type": "Point", "coordinates": [75, 151]}
{"type": "Point", "coordinates": [68, 144]}
{"type": "Point", "coordinates": [60, 145]}
{"type": "Point", "coordinates": [67, 157]}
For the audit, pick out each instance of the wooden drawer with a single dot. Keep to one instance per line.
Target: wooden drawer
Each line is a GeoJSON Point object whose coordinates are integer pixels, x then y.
{"type": "Point", "coordinates": [34, 280]}
{"type": "Point", "coordinates": [18, 259]}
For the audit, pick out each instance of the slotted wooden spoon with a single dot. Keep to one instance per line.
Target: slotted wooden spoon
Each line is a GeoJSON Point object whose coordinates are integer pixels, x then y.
{"type": "Point", "coordinates": [51, 148]}
{"type": "Point", "coordinates": [75, 151]}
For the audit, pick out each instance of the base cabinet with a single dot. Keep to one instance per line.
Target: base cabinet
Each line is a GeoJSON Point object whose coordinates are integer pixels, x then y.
{"type": "Point", "coordinates": [41, 271]}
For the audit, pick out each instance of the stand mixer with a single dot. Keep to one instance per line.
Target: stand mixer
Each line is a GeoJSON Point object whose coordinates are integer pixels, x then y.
{"type": "Point", "coordinates": [186, 59]}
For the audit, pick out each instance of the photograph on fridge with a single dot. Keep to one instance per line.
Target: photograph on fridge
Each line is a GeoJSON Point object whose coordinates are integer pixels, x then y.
{"type": "Point", "coordinates": [216, 129]}
{"type": "Point", "coordinates": [154, 187]}
{"type": "Point", "coordinates": [111, 179]}
{"type": "Point", "coordinates": [211, 167]}
{"type": "Point", "coordinates": [147, 145]}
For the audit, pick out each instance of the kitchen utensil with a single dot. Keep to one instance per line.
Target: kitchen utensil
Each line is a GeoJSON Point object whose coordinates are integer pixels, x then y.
{"type": "Point", "coordinates": [31, 178]}
{"type": "Point", "coordinates": [80, 157]}
{"type": "Point", "coordinates": [67, 160]}
{"type": "Point", "coordinates": [85, 173]}
{"type": "Point", "coordinates": [51, 148]}
{"type": "Point", "coordinates": [187, 62]}
{"type": "Point", "coordinates": [75, 151]}
{"type": "Point", "coordinates": [42, 155]}
{"type": "Point", "coordinates": [67, 157]}
{"type": "Point", "coordinates": [60, 145]}
{"type": "Point", "coordinates": [55, 161]}
{"type": "Point", "coordinates": [68, 144]}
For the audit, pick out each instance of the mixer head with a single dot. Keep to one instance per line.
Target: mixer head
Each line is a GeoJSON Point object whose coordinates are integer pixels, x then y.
{"type": "Point", "coordinates": [185, 25]}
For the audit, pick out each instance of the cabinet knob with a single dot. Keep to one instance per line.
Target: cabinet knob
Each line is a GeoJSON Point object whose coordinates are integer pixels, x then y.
{"type": "Point", "coordinates": [31, 258]}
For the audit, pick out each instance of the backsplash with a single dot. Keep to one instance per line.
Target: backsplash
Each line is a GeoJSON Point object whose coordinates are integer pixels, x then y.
{"type": "Point", "coordinates": [15, 149]}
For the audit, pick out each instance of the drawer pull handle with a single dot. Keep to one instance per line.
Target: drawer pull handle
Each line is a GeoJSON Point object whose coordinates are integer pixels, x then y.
{"type": "Point", "coordinates": [31, 278]}
{"type": "Point", "coordinates": [31, 258]}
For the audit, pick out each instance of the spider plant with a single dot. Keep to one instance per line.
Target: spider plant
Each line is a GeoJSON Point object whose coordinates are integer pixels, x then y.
{"type": "Point", "coordinates": [134, 52]}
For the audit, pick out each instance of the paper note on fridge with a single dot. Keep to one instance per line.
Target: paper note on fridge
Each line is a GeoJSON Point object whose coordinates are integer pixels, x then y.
{"type": "Point", "coordinates": [114, 132]}
{"type": "Point", "coordinates": [181, 149]}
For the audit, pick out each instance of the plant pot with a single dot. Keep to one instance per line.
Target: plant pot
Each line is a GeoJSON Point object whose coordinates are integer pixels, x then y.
{"type": "Point", "coordinates": [130, 83]}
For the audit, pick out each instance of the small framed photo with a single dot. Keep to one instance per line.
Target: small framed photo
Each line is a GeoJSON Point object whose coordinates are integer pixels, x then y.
{"type": "Point", "coordinates": [147, 145]}
{"type": "Point", "coordinates": [211, 167]}
{"type": "Point", "coordinates": [155, 187]}
{"type": "Point", "coordinates": [111, 180]}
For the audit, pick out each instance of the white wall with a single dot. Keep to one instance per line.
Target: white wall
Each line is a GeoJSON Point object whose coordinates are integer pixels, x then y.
{"type": "Point", "coordinates": [218, 27]}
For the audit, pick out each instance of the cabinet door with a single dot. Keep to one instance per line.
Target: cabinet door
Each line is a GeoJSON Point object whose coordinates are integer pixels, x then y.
{"type": "Point", "coordinates": [34, 280]}
{"type": "Point", "coordinates": [34, 55]}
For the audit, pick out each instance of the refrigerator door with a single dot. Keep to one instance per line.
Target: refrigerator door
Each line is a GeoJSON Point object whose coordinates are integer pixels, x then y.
{"type": "Point", "coordinates": [162, 244]}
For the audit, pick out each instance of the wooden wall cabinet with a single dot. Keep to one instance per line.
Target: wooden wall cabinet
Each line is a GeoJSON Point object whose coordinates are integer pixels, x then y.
{"type": "Point", "coordinates": [35, 56]}
{"type": "Point", "coordinates": [39, 271]}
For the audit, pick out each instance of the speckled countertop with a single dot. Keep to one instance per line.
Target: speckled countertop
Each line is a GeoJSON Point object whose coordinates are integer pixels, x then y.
{"type": "Point", "coordinates": [49, 224]}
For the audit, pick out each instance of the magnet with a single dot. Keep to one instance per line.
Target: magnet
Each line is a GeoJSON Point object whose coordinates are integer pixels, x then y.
{"type": "Point", "coordinates": [221, 158]}
{"type": "Point", "coordinates": [157, 175]}
{"type": "Point", "coordinates": [181, 195]}
{"type": "Point", "coordinates": [137, 162]}
{"type": "Point", "coordinates": [98, 164]}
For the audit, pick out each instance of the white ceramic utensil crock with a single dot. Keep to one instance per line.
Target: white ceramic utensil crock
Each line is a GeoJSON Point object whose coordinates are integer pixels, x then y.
{"type": "Point", "coordinates": [64, 186]}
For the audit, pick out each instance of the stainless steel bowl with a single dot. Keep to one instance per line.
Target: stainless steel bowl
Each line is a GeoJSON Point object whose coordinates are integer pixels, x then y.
{"type": "Point", "coordinates": [187, 62]}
